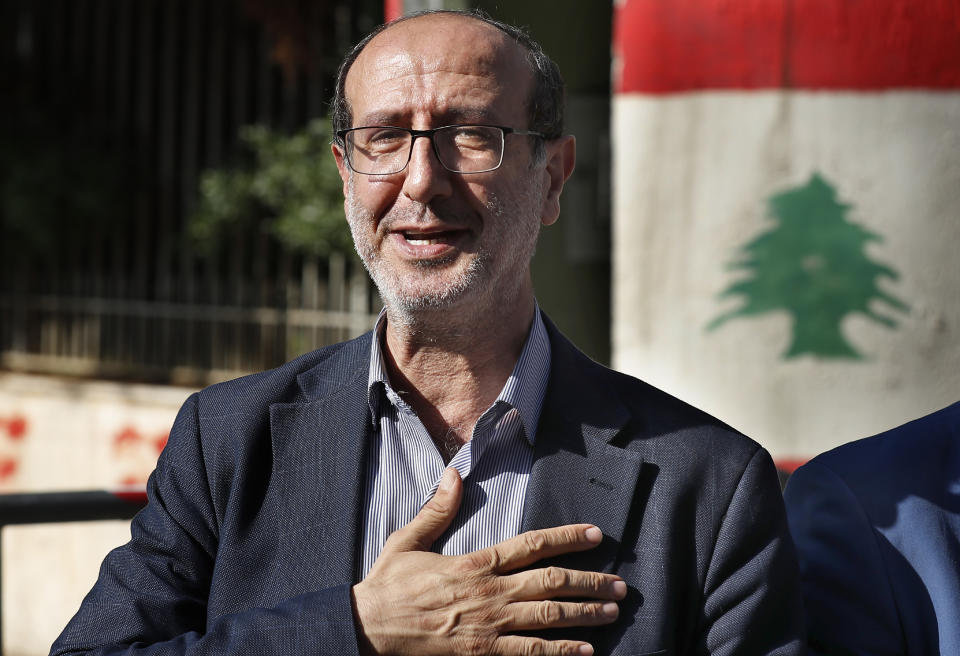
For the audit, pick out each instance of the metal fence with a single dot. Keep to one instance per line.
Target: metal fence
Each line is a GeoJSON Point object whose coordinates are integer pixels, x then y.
{"type": "Point", "coordinates": [95, 333]}
{"type": "Point", "coordinates": [111, 111]}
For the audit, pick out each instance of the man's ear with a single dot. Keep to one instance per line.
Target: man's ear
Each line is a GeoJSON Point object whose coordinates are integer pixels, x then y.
{"type": "Point", "coordinates": [561, 157]}
{"type": "Point", "coordinates": [341, 166]}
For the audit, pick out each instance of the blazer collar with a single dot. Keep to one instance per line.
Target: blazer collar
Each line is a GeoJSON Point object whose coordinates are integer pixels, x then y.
{"type": "Point", "coordinates": [342, 365]}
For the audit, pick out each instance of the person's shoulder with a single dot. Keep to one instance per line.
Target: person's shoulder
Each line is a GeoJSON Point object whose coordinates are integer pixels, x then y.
{"type": "Point", "coordinates": [905, 452]}
{"type": "Point", "coordinates": [656, 419]}
{"type": "Point", "coordinates": [328, 367]}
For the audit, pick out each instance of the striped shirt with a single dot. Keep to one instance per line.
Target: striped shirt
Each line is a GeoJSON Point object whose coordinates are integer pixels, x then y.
{"type": "Point", "coordinates": [404, 466]}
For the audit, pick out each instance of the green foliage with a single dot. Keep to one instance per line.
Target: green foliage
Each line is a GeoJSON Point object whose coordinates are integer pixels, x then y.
{"type": "Point", "coordinates": [292, 190]}
{"type": "Point", "coordinates": [813, 264]}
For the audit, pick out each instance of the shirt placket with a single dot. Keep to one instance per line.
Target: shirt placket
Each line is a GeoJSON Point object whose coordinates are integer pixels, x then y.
{"type": "Point", "coordinates": [427, 465]}
{"type": "Point", "coordinates": [466, 459]}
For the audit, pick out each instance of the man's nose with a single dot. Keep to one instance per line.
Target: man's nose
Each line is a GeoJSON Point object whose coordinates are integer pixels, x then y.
{"type": "Point", "coordinates": [426, 178]}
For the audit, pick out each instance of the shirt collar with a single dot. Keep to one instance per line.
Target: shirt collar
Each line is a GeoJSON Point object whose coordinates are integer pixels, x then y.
{"type": "Point", "coordinates": [524, 390]}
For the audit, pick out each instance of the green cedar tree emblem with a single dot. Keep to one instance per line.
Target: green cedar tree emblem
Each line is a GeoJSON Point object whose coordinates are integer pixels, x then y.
{"type": "Point", "coordinates": [812, 264]}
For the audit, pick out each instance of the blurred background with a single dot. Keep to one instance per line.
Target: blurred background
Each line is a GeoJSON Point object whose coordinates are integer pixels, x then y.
{"type": "Point", "coordinates": [764, 221]}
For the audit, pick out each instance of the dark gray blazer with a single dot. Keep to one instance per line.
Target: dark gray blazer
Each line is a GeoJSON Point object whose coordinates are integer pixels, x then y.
{"type": "Point", "coordinates": [249, 543]}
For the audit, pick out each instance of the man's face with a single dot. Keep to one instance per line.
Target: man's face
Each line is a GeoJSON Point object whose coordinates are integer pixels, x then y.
{"type": "Point", "coordinates": [429, 237]}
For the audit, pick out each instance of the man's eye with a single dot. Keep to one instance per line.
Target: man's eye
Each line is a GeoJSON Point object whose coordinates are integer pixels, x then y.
{"type": "Point", "coordinates": [386, 136]}
{"type": "Point", "coordinates": [473, 137]}
{"type": "Point", "coordinates": [381, 140]}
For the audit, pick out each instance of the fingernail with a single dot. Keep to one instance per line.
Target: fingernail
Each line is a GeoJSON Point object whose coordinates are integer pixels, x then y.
{"type": "Point", "coordinates": [585, 650]}
{"type": "Point", "coordinates": [610, 609]}
{"type": "Point", "coordinates": [594, 534]}
{"type": "Point", "coordinates": [446, 481]}
{"type": "Point", "coordinates": [619, 589]}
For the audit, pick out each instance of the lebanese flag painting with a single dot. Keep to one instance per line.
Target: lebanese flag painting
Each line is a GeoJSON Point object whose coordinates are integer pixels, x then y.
{"type": "Point", "coordinates": [787, 211]}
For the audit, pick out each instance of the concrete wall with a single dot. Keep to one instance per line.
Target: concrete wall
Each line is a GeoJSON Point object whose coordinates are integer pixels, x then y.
{"type": "Point", "coordinates": [60, 434]}
{"type": "Point", "coordinates": [818, 146]}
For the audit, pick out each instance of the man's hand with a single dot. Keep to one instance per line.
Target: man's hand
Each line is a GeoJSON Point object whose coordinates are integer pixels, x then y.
{"type": "Point", "coordinates": [417, 602]}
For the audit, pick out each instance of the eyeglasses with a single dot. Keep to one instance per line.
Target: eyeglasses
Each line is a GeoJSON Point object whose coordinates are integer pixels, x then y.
{"type": "Point", "coordinates": [385, 150]}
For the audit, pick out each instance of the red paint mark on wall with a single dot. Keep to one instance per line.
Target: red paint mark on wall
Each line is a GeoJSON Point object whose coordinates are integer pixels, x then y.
{"type": "Point", "coordinates": [668, 46]}
{"type": "Point", "coordinates": [16, 427]}
{"type": "Point", "coordinates": [127, 436]}
{"type": "Point", "coordinates": [13, 430]}
{"type": "Point", "coordinates": [8, 467]}
{"type": "Point", "coordinates": [136, 452]}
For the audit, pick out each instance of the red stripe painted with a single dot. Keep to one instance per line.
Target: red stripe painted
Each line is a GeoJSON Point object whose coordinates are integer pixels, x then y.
{"type": "Point", "coordinates": [392, 9]}
{"type": "Point", "coordinates": [666, 46]}
{"type": "Point", "coordinates": [133, 496]}
{"type": "Point", "coordinates": [789, 465]}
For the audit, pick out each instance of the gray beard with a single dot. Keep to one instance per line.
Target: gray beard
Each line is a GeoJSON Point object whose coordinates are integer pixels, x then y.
{"type": "Point", "coordinates": [412, 307]}
{"type": "Point", "coordinates": [405, 306]}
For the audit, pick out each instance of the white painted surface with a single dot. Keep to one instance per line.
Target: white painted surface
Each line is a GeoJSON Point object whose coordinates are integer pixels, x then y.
{"type": "Point", "coordinates": [73, 427]}
{"type": "Point", "coordinates": [68, 437]}
{"type": "Point", "coordinates": [692, 174]}
{"type": "Point", "coordinates": [47, 570]}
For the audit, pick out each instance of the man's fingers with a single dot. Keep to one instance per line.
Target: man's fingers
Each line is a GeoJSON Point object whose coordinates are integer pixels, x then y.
{"type": "Point", "coordinates": [432, 520]}
{"type": "Point", "coordinates": [551, 582]}
{"type": "Point", "coordinates": [511, 645]}
{"type": "Point", "coordinates": [537, 615]}
{"type": "Point", "coordinates": [527, 548]}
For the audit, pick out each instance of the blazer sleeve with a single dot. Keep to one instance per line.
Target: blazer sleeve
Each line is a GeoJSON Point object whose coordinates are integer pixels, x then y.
{"type": "Point", "coordinates": [752, 601]}
{"type": "Point", "coordinates": [846, 590]}
{"type": "Point", "coordinates": [151, 594]}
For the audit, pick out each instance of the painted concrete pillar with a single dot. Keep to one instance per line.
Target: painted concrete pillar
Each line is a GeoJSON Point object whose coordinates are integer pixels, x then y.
{"type": "Point", "coordinates": [787, 211]}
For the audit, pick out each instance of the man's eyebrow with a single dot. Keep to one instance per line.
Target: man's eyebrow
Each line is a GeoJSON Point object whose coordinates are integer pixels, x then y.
{"type": "Point", "coordinates": [452, 116]}
{"type": "Point", "coordinates": [469, 115]}
{"type": "Point", "coordinates": [378, 118]}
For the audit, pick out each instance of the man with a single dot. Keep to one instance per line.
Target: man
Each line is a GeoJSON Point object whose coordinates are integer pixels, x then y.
{"type": "Point", "coordinates": [877, 527]}
{"type": "Point", "coordinates": [582, 511]}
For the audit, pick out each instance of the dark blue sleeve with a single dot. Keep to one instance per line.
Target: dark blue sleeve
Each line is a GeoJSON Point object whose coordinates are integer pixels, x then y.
{"type": "Point", "coordinates": [847, 595]}
{"type": "Point", "coordinates": [152, 594]}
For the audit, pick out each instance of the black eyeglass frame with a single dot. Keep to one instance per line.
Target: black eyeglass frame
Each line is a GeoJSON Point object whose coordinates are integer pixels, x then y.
{"type": "Point", "coordinates": [415, 134]}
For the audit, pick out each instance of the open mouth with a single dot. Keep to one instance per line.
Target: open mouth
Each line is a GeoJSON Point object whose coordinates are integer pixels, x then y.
{"type": "Point", "coordinates": [428, 238]}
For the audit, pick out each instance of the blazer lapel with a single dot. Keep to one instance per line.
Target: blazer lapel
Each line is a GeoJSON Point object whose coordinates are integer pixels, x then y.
{"type": "Point", "coordinates": [578, 480]}
{"type": "Point", "coordinates": [319, 446]}
{"type": "Point", "coordinates": [577, 475]}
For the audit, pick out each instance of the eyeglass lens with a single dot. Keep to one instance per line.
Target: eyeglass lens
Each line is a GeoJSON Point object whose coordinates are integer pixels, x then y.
{"type": "Point", "coordinates": [460, 148]}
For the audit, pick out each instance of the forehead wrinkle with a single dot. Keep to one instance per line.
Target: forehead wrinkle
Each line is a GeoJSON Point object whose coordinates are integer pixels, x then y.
{"type": "Point", "coordinates": [446, 93]}
{"type": "Point", "coordinates": [393, 63]}
{"type": "Point", "coordinates": [468, 98]}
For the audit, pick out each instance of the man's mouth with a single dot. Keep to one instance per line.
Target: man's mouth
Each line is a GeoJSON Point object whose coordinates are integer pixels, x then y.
{"type": "Point", "coordinates": [427, 239]}
{"type": "Point", "coordinates": [429, 244]}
